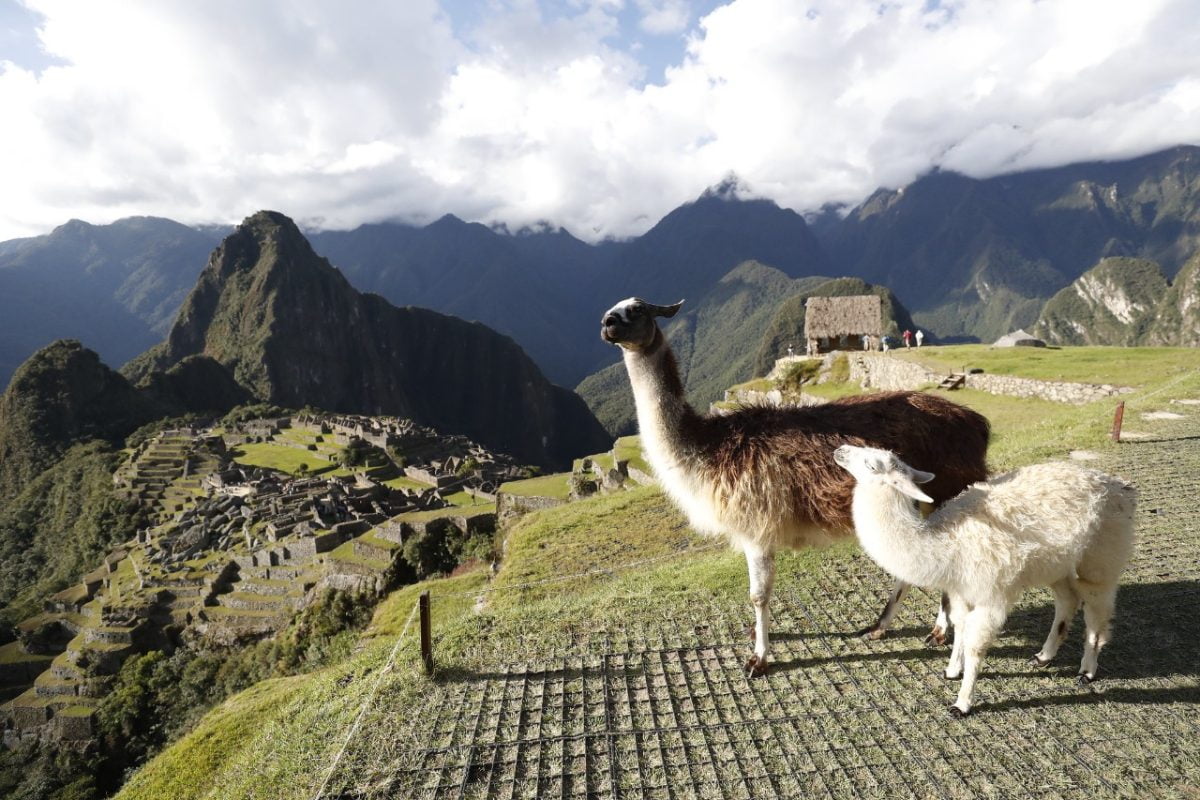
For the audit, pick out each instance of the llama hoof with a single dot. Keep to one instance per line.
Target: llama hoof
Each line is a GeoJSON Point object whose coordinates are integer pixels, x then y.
{"type": "Point", "coordinates": [1083, 679]}
{"type": "Point", "coordinates": [958, 713]}
{"type": "Point", "coordinates": [936, 637]}
{"type": "Point", "coordinates": [755, 667]}
{"type": "Point", "coordinates": [871, 634]}
{"type": "Point", "coordinates": [1036, 661]}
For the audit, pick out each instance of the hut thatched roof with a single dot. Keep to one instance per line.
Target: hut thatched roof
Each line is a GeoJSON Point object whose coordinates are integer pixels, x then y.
{"type": "Point", "coordinates": [856, 315]}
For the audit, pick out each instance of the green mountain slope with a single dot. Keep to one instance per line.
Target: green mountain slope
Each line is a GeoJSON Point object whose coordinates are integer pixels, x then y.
{"type": "Point", "coordinates": [1128, 302]}
{"type": "Point", "coordinates": [62, 395]}
{"type": "Point", "coordinates": [1177, 318]}
{"type": "Point", "coordinates": [292, 331]}
{"type": "Point", "coordinates": [1112, 303]}
{"type": "Point", "coordinates": [59, 527]}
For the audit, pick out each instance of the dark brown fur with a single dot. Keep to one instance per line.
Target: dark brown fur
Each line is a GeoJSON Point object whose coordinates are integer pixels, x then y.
{"type": "Point", "coordinates": [926, 431]}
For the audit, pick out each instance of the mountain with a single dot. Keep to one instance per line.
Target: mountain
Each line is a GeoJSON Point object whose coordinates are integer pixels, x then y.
{"type": "Point", "coordinates": [693, 248]}
{"type": "Point", "coordinates": [977, 258]}
{"type": "Point", "coordinates": [114, 286]}
{"type": "Point", "coordinates": [714, 339]}
{"type": "Point", "coordinates": [1126, 301]}
{"type": "Point", "coordinates": [61, 396]}
{"type": "Point", "coordinates": [971, 258]}
{"type": "Point", "coordinates": [292, 331]}
{"type": "Point", "coordinates": [525, 285]}
{"type": "Point", "coordinates": [1177, 318]}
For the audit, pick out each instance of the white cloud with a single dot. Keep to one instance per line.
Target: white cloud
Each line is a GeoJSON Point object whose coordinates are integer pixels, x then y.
{"type": "Point", "coordinates": [663, 16]}
{"type": "Point", "coordinates": [209, 111]}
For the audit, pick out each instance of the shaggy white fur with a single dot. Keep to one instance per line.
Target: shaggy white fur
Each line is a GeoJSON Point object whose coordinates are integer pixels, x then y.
{"type": "Point", "coordinates": [1057, 524]}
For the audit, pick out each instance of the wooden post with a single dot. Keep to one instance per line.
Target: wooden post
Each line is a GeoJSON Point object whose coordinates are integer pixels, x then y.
{"type": "Point", "coordinates": [1118, 418]}
{"type": "Point", "coordinates": [426, 634]}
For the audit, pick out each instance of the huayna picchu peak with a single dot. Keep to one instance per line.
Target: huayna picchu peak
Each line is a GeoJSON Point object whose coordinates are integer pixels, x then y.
{"type": "Point", "coordinates": [292, 330]}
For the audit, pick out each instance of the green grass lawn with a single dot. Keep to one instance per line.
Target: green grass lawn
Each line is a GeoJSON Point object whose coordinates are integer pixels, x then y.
{"type": "Point", "coordinates": [404, 482]}
{"type": "Point", "coordinates": [555, 485]}
{"type": "Point", "coordinates": [286, 459]}
{"type": "Point", "coordinates": [1123, 366]}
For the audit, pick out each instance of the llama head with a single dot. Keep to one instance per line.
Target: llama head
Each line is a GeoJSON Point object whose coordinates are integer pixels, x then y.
{"type": "Point", "coordinates": [631, 323]}
{"type": "Point", "coordinates": [870, 465]}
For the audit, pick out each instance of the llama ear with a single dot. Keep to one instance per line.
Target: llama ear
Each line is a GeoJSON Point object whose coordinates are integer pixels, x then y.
{"type": "Point", "coordinates": [905, 486]}
{"type": "Point", "coordinates": [664, 311]}
{"type": "Point", "coordinates": [921, 477]}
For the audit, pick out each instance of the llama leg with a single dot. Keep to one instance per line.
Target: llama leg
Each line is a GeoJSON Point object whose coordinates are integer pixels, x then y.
{"type": "Point", "coordinates": [1066, 603]}
{"type": "Point", "coordinates": [941, 626]}
{"type": "Point", "coordinates": [958, 618]}
{"type": "Point", "coordinates": [876, 631]}
{"type": "Point", "coordinates": [1098, 604]}
{"type": "Point", "coordinates": [982, 625]}
{"type": "Point", "coordinates": [761, 565]}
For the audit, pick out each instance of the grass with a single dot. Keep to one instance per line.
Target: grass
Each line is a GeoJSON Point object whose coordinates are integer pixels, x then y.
{"type": "Point", "coordinates": [1123, 366]}
{"type": "Point", "coordinates": [282, 458]}
{"type": "Point", "coordinates": [12, 653]}
{"type": "Point", "coordinates": [629, 448]}
{"type": "Point", "coordinates": [556, 485]}
{"type": "Point", "coordinates": [448, 511]}
{"type": "Point", "coordinates": [404, 482]}
{"type": "Point", "coordinates": [637, 524]}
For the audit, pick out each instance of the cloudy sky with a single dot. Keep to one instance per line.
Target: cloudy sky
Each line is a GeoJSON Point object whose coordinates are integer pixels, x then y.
{"type": "Point", "coordinates": [598, 115]}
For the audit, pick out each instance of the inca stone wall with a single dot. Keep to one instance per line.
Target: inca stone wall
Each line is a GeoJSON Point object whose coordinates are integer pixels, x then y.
{"type": "Point", "coordinates": [882, 371]}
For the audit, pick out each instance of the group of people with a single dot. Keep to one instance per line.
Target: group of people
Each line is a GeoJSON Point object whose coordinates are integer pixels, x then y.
{"type": "Point", "coordinates": [908, 336]}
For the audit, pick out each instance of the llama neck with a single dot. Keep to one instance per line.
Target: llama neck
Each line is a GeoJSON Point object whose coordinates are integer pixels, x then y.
{"type": "Point", "coordinates": [662, 408]}
{"type": "Point", "coordinates": [894, 535]}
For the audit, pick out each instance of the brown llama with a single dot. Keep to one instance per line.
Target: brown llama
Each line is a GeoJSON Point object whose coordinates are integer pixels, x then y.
{"type": "Point", "coordinates": [765, 478]}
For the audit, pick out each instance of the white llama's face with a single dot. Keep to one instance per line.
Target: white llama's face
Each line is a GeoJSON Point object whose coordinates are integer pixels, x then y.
{"type": "Point", "coordinates": [870, 465]}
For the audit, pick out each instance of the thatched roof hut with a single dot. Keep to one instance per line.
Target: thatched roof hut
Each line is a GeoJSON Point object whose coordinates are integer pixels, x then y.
{"type": "Point", "coordinates": [846, 320]}
{"type": "Point", "coordinates": [857, 315]}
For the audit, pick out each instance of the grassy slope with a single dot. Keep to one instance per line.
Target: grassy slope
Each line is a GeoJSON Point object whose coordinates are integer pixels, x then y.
{"type": "Point", "coordinates": [278, 739]}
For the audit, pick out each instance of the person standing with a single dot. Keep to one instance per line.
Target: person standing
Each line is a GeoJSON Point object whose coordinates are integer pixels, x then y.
{"type": "Point", "coordinates": [907, 335]}
{"type": "Point", "coordinates": [920, 336]}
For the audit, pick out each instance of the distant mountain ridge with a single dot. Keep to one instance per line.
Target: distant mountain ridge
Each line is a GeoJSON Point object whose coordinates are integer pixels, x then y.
{"type": "Point", "coordinates": [970, 258]}
{"type": "Point", "coordinates": [115, 286]}
{"type": "Point", "coordinates": [292, 330]}
{"type": "Point", "coordinates": [978, 258]}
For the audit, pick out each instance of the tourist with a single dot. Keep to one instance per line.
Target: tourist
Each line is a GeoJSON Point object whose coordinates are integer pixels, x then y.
{"type": "Point", "coordinates": [920, 336]}
{"type": "Point", "coordinates": [907, 338]}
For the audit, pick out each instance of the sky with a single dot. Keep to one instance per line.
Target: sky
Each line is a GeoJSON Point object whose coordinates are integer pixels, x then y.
{"type": "Point", "coordinates": [597, 115]}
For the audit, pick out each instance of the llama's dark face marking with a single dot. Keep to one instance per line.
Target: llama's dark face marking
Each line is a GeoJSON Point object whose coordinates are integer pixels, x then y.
{"type": "Point", "coordinates": [631, 323]}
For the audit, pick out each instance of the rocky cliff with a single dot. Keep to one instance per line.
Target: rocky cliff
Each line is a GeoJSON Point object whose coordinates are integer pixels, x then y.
{"type": "Point", "coordinates": [292, 331]}
{"type": "Point", "coordinates": [1125, 301]}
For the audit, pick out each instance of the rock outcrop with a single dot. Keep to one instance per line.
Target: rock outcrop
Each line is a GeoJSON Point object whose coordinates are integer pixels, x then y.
{"type": "Point", "coordinates": [293, 331]}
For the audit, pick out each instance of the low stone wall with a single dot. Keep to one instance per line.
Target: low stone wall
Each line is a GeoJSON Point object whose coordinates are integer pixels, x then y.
{"type": "Point", "coordinates": [881, 371]}
{"type": "Point", "coordinates": [510, 507]}
{"type": "Point", "coordinates": [1055, 391]}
